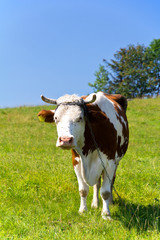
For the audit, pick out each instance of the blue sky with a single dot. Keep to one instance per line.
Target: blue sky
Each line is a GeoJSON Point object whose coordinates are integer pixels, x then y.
{"type": "Point", "coordinates": [54, 47]}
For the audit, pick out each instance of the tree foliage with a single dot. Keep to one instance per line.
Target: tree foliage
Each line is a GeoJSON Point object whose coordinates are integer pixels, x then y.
{"type": "Point", "coordinates": [134, 71]}
{"type": "Point", "coordinates": [102, 80]}
{"type": "Point", "coordinates": [154, 49]}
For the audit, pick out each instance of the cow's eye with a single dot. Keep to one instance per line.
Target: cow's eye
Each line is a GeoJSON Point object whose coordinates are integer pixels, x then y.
{"type": "Point", "coordinates": [79, 119]}
{"type": "Point", "coordinates": [55, 118]}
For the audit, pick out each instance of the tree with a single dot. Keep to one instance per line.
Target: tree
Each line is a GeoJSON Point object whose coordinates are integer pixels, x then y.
{"type": "Point", "coordinates": [154, 52]}
{"type": "Point", "coordinates": [132, 78]}
{"type": "Point", "coordinates": [134, 71]}
{"type": "Point", "coordinates": [102, 80]}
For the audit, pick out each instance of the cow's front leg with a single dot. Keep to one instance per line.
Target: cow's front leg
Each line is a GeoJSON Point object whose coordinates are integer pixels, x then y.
{"type": "Point", "coordinates": [83, 188]}
{"type": "Point", "coordinates": [106, 189]}
{"type": "Point", "coordinates": [95, 201]}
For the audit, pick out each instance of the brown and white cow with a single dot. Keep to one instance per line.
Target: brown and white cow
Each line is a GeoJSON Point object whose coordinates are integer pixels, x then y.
{"type": "Point", "coordinates": [108, 122]}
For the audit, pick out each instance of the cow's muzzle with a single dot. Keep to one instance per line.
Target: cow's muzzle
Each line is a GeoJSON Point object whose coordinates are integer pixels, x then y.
{"type": "Point", "coordinates": [65, 142]}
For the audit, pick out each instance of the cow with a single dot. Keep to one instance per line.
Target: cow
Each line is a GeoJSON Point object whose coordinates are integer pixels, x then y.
{"type": "Point", "coordinates": [95, 128]}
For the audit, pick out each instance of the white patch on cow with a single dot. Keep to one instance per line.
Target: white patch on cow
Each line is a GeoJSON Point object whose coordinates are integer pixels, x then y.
{"type": "Point", "coordinates": [119, 106]}
{"type": "Point", "coordinates": [116, 155]}
{"type": "Point", "coordinates": [77, 159]}
{"type": "Point", "coordinates": [117, 158]}
{"type": "Point", "coordinates": [107, 106]}
{"type": "Point", "coordinates": [92, 167]}
{"type": "Point", "coordinates": [122, 119]}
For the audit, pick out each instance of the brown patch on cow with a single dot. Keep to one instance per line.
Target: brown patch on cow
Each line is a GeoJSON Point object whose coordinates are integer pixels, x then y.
{"type": "Point", "coordinates": [74, 155]}
{"type": "Point", "coordinates": [47, 115]}
{"type": "Point", "coordinates": [83, 193]}
{"type": "Point", "coordinates": [121, 149]}
{"type": "Point", "coordinates": [104, 132]}
{"type": "Point", "coordinates": [106, 195]}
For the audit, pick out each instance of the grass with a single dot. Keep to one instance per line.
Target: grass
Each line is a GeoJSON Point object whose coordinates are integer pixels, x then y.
{"type": "Point", "coordinates": [39, 196]}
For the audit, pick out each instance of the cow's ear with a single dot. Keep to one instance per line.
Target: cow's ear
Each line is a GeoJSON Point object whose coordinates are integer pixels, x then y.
{"type": "Point", "coordinates": [46, 116]}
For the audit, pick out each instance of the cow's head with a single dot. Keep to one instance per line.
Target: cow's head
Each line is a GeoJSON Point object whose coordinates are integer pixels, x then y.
{"type": "Point", "coordinates": [69, 117]}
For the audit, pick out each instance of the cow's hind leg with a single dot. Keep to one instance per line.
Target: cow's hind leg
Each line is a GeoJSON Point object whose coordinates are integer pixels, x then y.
{"type": "Point", "coordinates": [95, 201]}
{"type": "Point", "coordinates": [113, 180]}
{"type": "Point", "coordinates": [83, 188]}
{"type": "Point", "coordinates": [106, 188]}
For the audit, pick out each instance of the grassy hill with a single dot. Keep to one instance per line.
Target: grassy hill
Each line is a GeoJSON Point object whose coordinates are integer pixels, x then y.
{"type": "Point", "coordinates": [39, 196]}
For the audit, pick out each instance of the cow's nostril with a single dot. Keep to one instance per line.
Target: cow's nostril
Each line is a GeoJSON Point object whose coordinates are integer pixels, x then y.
{"type": "Point", "coordinates": [66, 140]}
{"type": "Point", "coordinates": [71, 140]}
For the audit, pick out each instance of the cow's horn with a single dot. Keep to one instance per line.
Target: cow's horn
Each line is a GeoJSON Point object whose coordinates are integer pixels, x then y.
{"type": "Point", "coordinates": [49, 100]}
{"type": "Point", "coordinates": [90, 99]}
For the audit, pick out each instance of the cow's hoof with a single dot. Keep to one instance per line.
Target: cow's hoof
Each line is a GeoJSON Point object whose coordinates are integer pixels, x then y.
{"type": "Point", "coordinates": [94, 205]}
{"type": "Point", "coordinates": [83, 210]}
{"type": "Point", "coordinates": [107, 218]}
{"type": "Point", "coordinates": [106, 215]}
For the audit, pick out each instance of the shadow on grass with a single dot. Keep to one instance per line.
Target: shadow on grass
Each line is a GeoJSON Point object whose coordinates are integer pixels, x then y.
{"type": "Point", "coordinates": [143, 218]}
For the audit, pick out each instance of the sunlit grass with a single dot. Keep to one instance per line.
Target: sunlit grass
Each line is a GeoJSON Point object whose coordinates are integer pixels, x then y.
{"type": "Point", "coordinates": [39, 196]}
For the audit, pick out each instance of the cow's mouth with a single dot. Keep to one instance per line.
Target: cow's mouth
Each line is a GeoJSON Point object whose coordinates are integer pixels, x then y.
{"type": "Point", "coordinates": [66, 147]}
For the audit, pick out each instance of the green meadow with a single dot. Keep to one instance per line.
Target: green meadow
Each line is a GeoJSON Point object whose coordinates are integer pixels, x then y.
{"type": "Point", "coordinates": [39, 196]}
